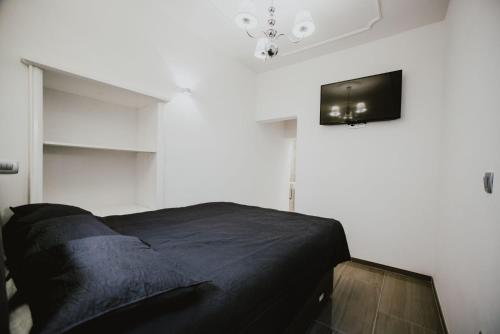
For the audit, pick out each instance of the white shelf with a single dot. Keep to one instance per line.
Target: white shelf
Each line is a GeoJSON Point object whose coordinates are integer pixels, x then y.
{"type": "Point", "coordinates": [96, 147]}
{"type": "Point", "coordinates": [124, 209]}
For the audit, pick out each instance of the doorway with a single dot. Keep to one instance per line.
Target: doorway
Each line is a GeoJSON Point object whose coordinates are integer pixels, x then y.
{"type": "Point", "coordinates": [291, 142]}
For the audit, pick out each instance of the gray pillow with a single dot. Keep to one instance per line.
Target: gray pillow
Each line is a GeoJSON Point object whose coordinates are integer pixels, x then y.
{"type": "Point", "coordinates": [25, 239]}
{"type": "Point", "coordinates": [75, 282]}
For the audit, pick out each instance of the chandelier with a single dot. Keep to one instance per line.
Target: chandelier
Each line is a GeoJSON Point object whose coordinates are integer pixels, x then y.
{"type": "Point", "coordinates": [349, 114]}
{"type": "Point", "coordinates": [267, 45]}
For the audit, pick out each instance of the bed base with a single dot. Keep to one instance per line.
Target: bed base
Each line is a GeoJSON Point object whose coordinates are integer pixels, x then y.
{"type": "Point", "coordinates": [305, 314]}
{"type": "Point", "coordinates": [313, 306]}
{"type": "Point", "coordinates": [305, 303]}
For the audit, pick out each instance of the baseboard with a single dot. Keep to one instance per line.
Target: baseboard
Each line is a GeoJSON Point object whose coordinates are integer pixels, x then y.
{"type": "Point", "coordinates": [440, 310]}
{"type": "Point", "coordinates": [410, 274]}
{"type": "Point", "coordinates": [393, 269]}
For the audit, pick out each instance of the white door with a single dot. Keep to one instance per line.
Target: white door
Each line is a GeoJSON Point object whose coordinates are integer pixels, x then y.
{"type": "Point", "coordinates": [291, 187]}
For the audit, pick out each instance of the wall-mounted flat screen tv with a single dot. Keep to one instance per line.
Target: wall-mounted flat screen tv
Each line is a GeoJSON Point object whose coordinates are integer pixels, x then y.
{"type": "Point", "coordinates": [369, 99]}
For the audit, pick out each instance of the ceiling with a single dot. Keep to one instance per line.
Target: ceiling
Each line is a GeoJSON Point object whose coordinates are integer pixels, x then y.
{"type": "Point", "coordinates": [339, 24]}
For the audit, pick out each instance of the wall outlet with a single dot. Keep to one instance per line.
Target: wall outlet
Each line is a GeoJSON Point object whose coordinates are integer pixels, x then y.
{"type": "Point", "coordinates": [9, 167]}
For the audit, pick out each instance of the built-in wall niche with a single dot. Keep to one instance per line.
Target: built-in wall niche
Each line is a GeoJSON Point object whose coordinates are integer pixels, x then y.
{"type": "Point", "coordinates": [80, 121]}
{"type": "Point", "coordinates": [95, 145]}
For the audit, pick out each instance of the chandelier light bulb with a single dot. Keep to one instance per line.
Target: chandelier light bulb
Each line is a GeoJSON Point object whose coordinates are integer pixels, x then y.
{"type": "Point", "coordinates": [246, 18]}
{"type": "Point", "coordinates": [335, 111]}
{"type": "Point", "coordinates": [261, 48]}
{"type": "Point", "coordinates": [360, 107]}
{"type": "Point", "coordinates": [304, 25]}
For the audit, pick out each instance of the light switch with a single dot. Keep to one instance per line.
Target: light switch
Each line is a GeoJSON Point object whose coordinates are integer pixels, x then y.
{"type": "Point", "coordinates": [9, 167]}
{"type": "Point", "coordinates": [488, 182]}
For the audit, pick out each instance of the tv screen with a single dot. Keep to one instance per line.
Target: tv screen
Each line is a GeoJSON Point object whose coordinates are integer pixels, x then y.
{"type": "Point", "coordinates": [369, 99]}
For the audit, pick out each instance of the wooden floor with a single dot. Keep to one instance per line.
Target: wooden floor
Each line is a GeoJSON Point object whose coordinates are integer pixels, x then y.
{"type": "Point", "coordinates": [370, 300]}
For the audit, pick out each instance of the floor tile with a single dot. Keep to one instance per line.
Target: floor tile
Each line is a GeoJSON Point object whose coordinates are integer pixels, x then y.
{"type": "Point", "coordinates": [318, 328]}
{"type": "Point", "coordinates": [410, 299]}
{"type": "Point", "coordinates": [354, 300]}
{"type": "Point", "coordinates": [363, 273]}
{"type": "Point", "coordinates": [415, 329]}
{"type": "Point", "coordinates": [337, 272]}
{"type": "Point", "coordinates": [386, 324]}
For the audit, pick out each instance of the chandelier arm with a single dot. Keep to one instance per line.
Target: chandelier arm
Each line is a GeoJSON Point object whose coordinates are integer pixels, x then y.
{"type": "Point", "coordinates": [250, 35]}
{"type": "Point", "coordinates": [296, 41]}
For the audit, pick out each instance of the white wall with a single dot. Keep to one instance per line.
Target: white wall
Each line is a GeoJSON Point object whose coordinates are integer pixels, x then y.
{"type": "Point", "coordinates": [379, 181]}
{"type": "Point", "coordinates": [100, 169]}
{"type": "Point", "coordinates": [215, 149]}
{"type": "Point", "coordinates": [468, 239]}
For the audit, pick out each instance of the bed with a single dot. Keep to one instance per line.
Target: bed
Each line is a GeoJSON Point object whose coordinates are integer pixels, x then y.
{"type": "Point", "coordinates": [256, 270]}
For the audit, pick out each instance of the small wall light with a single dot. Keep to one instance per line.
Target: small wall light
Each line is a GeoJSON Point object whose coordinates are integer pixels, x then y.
{"type": "Point", "coordinates": [185, 91]}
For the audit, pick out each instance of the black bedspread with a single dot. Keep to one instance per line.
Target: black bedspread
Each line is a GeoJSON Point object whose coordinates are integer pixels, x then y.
{"type": "Point", "coordinates": [250, 255]}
